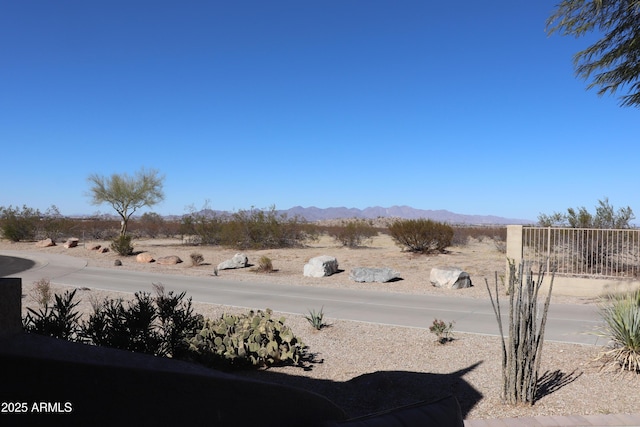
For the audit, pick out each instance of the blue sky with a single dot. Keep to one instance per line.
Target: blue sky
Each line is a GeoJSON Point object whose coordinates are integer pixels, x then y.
{"type": "Point", "coordinates": [464, 106]}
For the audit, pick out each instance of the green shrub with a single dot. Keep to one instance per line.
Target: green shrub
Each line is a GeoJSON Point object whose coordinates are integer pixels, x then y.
{"type": "Point", "coordinates": [253, 339]}
{"type": "Point", "coordinates": [17, 225]}
{"type": "Point", "coordinates": [352, 233]}
{"type": "Point", "coordinates": [265, 229]}
{"type": "Point", "coordinates": [177, 322]}
{"type": "Point", "coordinates": [203, 227]}
{"type": "Point", "coordinates": [622, 327]}
{"type": "Point", "coordinates": [442, 330]}
{"type": "Point", "coordinates": [421, 235]}
{"type": "Point", "coordinates": [316, 319]}
{"type": "Point", "coordinates": [61, 320]}
{"type": "Point", "coordinates": [122, 245]}
{"type": "Point", "coordinates": [159, 325]}
{"type": "Point", "coordinates": [130, 327]}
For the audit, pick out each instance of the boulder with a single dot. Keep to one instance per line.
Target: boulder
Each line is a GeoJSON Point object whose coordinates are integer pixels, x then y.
{"type": "Point", "coordinates": [103, 250]}
{"type": "Point", "coordinates": [365, 274]}
{"type": "Point", "coordinates": [144, 257]}
{"type": "Point", "coordinates": [450, 278]}
{"type": "Point", "coordinates": [71, 243]}
{"type": "Point", "coordinates": [93, 247]}
{"type": "Point", "coordinates": [117, 263]}
{"type": "Point", "coordinates": [45, 243]}
{"type": "Point", "coordinates": [238, 261]}
{"type": "Point", "coordinates": [169, 260]}
{"type": "Point", "coordinates": [321, 266]}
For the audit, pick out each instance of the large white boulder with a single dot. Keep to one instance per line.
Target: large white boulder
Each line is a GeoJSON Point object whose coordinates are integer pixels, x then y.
{"type": "Point", "coordinates": [238, 261]}
{"type": "Point", "coordinates": [450, 278]}
{"type": "Point", "coordinates": [321, 266]}
{"type": "Point", "coordinates": [365, 274]}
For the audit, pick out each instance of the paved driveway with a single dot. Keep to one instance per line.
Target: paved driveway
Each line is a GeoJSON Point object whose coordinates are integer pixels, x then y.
{"type": "Point", "coordinates": [565, 323]}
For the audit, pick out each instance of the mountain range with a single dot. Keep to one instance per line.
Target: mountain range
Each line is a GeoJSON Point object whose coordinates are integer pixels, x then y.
{"type": "Point", "coordinates": [406, 212]}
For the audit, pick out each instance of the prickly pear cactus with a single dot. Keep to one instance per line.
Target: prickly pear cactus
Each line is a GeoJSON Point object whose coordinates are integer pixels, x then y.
{"type": "Point", "coordinates": [254, 339]}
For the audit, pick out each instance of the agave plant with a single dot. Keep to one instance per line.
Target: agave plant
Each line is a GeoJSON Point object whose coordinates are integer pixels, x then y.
{"type": "Point", "coordinates": [316, 319]}
{"type": "Point", "coordinates": [622, 326]}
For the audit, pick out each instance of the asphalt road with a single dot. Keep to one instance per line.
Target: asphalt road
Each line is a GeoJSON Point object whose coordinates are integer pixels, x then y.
{"type": "Point", "coordinates": [565, 322]}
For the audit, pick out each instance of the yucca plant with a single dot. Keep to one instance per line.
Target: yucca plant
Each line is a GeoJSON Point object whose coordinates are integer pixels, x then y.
{"type": "Point", "coordinates": [621, 315]}
{"type": "Point", "coordinates": [316, 319]}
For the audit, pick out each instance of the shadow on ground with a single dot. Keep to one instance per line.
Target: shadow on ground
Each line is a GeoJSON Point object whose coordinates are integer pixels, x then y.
{"type": "Point", "coordinates": [87, 385]}
{"type": "Point", "coordinates": [12, 265]}
{"type": "Point", "coordinates": [382, 390]}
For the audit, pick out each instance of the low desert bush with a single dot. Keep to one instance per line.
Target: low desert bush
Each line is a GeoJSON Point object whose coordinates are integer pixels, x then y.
{"type": "Point", "coordinates": [59, 320]}
{"type": "Point", "coordinates": [41, 293]}
{"type": "Point", "coordinates": [443, 331]}
{"type": "Point", "coordinates": [352, 233]}
{"type": "Point", "coordinates": [421, 235]}
{"type": "Point", "coordinates": [265, 229]}
{"type": "Point", "coordinates": [463, 233]}
{"type": "Point", "coordinates": [265, 265]}
{"type": "Point", "coordinates": [621, 315]}
{"type": "Point", "coordinates": [19, 224]}
{"type": "Point", "coordinates": [316, 319]}
{"type": "Point", "coordinates": [196, 259]}
{"type": "Point", "coordinates": [203, 227]}
{"type": "Point", "coordinates": [122, 245]}
{"type": "Point", "coordinates": [253, 339]}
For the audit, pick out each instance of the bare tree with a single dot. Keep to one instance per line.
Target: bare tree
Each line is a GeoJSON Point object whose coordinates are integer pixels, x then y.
{"type": "Point", "coordinates": [126, 194]}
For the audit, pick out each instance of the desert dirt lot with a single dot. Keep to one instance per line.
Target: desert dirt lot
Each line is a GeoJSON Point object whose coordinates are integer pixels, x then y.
{"type": "Point", "coordinates": [365, 367]}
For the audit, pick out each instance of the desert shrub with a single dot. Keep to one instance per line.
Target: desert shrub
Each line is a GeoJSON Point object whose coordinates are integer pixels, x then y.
{"type": "Point", "coordinates": [196, 258]}
{"type": "Point", "coordinates": [122, 245]}
{"type": "Point", "coordinates": [443, 331]}
{"type": "Point", "coordinates": [60, 320]}
{"type": "Point", "coordinates": [131, 327]}
{"type": "Point", "coordinates": [352, 233]}
{"type": "Point", "coordinates": [150, 224]}
{"type": "Point", "coordinates": [421, 235]}
{"type": "Point", "coordinates": [203, 227]}
{"type": "Point", "coordinates": [177, 322]}
{"type": "Point", "coordinates": [100, 227]}
{"type": "Point", "coordinates": [53, 225]}
{"type": "Point", "coordinates": [41, 293]}
{"type": "Point", "coordinates": [265, 229]}
{"type": "Point", "coordinates": [316, 319]}
{"type": "Point", "coordinates": [159, 325]}
{"type": "Point", "coordinates": [621, 315]}
{"type": "Point", "coordinates": [19, 224]}
{"type": "Point", "coordinates": [253, 339]}
{"type": "Point", "coordinates": [462, 234]}
{"type": "Point", "coordinates": [265, 265]}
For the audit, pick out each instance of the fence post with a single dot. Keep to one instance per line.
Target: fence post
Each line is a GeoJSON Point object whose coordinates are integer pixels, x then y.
{"type": "Point", "coordinates": [548, 250]}
{"type": "Point", "coordinates": [514, 246]}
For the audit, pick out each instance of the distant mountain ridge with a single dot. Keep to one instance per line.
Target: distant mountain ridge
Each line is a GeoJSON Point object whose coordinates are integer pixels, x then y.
{"type": "Point", "coordinates": [313, 213]}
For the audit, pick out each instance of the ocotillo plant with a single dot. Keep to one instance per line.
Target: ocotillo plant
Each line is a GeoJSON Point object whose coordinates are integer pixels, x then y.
{"type": "Point", "coordinates": [521, 353]}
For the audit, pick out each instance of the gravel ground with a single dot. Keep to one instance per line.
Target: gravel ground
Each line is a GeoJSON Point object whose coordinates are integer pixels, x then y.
{"type": "Point", "coordinates": [366, 367]}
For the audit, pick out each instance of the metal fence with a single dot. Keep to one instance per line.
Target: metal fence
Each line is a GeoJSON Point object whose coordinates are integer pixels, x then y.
{"type": "Point", "coordinates": [584, 252]}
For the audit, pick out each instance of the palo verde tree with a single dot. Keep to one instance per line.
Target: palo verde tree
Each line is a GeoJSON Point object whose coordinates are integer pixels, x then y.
{"type": "Point", "coordinates": [604, 217]}
{"type": "Point", "coordinates": [126, 194]}
{"type": "Point", "coordinates": [614, 60]}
